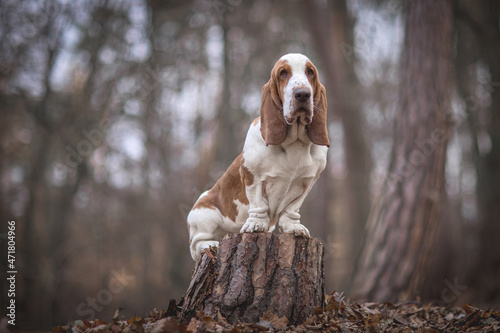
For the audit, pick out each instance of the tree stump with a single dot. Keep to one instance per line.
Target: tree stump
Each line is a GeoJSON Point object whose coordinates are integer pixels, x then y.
{"type": "Point", "coordinates": [255, 273]}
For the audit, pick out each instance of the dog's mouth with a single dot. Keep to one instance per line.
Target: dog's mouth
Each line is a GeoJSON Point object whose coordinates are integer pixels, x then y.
{"type": "Point", "coordinates": [301, 115]}
{"type": "Point", "coordinates": [299, 119]}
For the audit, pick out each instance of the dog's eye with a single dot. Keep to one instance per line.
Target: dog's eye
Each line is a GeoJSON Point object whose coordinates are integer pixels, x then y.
{"type": "Point", "coordinates": [284, 74]}
{"type": "Point", "coordinates": [310, 72]}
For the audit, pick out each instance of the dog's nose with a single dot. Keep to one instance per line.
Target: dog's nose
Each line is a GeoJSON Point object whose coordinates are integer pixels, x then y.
{"type": "Point", "coordinates": [302, 95]}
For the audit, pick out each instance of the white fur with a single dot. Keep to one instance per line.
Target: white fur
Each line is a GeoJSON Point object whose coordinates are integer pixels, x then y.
{"type": "Point", "coordinates": [283, 176]}
{"type": "Point", "coordinates": [204, 229]}
{"type": "Point", "coordinates": [299, 79]}
{"type": "Point", "coordinates": [286, 173]}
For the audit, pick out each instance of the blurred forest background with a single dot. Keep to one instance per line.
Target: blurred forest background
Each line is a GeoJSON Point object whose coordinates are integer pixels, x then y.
{"type": "Point", "coordinates": [115, 116]}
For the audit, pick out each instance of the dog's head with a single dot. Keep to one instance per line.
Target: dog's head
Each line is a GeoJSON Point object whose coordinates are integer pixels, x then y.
{"type": "Point", "coordinates": [294, 94]}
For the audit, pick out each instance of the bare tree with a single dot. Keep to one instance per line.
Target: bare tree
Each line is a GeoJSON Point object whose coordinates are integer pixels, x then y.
{"type": "Point", "coordinates": [403, 224]}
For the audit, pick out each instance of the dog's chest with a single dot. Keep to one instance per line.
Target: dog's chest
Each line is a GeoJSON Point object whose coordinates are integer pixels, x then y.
{"type": "Point", "coordinates": [286, 172]}
{"type": "Point", "coordinates": [294, 161]}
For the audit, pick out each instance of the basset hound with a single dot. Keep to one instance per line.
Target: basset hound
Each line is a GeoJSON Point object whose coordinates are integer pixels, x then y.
{"type": "Point", "coordinates": [284, 153]}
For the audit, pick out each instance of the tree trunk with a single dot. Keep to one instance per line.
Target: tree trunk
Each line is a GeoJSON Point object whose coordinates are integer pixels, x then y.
{"type": "Point", "coordinates": [403, 225]}
{"type": "Point", "coordinates": [226, 144]}
{"type": "Point", "coordinates": [255, 273]}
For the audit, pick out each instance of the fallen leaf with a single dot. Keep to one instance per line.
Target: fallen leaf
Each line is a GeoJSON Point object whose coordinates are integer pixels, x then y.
{"type": "Point", "coordinates": [168, 325]}
{"type": "Point", "coordinates": [275, 321]}
{"type": "Point", "coordinates": [135, 320]}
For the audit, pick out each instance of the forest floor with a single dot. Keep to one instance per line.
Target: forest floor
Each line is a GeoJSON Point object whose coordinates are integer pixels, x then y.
{"type": "Point", "coordinates": [339, 315]}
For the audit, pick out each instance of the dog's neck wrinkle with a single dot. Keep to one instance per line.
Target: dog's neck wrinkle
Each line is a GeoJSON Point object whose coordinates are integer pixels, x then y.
{"type": "Point", "coordinates": [296, 132]}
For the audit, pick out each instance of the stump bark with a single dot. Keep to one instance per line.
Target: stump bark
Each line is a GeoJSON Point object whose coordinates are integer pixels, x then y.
{"type": "Point", "coordinates": [254, 273]}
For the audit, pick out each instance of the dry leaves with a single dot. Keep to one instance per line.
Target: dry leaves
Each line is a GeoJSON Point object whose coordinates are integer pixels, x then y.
{"type": "Point", "coordinates": [338, 315]}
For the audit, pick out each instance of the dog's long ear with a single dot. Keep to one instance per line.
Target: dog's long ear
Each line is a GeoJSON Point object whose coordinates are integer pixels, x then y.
{"type": "Point", "coordinates": [317, 129]}
{"type": "Point", "coordinates": [273, 126]}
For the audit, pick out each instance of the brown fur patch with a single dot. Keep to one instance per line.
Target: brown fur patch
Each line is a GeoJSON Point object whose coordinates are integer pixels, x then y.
{"type": "Point", "coordinates": [229, 187]}
{"type": "Point", "coordinates": [272, 123]}
{"type": "Point", "coordinates": [317, 130]}
{"type": "Point", "coordinates": [246, 175]}
{"type": "Point", "coordinates": [279, 81]}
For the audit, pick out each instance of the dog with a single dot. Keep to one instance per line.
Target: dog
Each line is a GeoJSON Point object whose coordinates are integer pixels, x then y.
{"type": "Point", "coordinates": [284, 153]}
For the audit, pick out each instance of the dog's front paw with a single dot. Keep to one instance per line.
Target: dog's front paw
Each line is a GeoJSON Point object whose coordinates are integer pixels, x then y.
{"type": "Point", "coordinates": [294, 228]}
{"type": "Point", "coordinates": [255, 225]}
